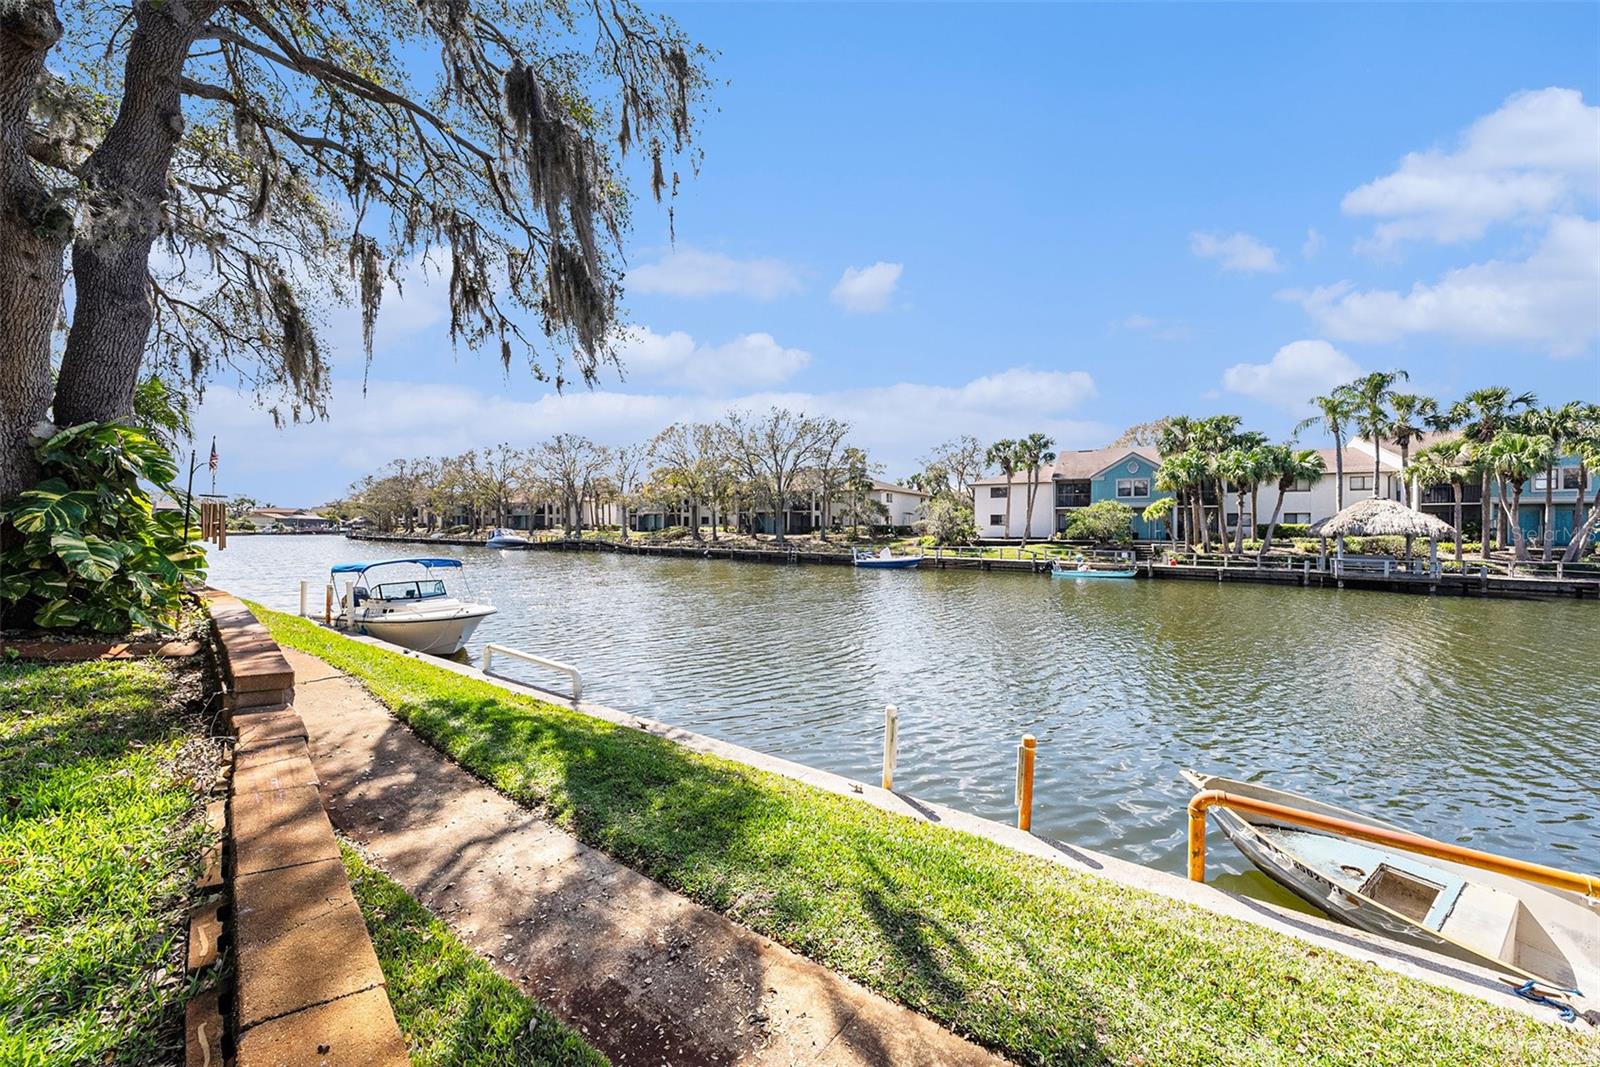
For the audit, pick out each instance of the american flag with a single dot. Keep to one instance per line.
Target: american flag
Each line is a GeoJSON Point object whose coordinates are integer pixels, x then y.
{"type": "Point", "coordinates": [213, 463]}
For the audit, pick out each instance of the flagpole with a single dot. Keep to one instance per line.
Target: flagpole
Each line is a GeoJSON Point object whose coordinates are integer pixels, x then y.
{"type": "Point", "coordinates": [213, 464]}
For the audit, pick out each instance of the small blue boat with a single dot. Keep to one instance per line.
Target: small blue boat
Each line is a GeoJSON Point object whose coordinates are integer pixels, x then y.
{"type": "Point", "coordinates": [884, 560]}
{"type": "Point", "coordinates": [1084, 570]}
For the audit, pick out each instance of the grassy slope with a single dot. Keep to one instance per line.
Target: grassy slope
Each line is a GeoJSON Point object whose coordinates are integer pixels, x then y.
{"type": "Point", "coordinates": [99, 838]}
{"type": "Point", "coordinates": [453, 1008]}
{"type": "Point", "coordinates": [1042, 963]}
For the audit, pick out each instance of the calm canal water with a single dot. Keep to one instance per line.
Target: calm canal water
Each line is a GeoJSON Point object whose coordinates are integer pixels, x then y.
{"type": "Point", "coordinates": [1473, 721]}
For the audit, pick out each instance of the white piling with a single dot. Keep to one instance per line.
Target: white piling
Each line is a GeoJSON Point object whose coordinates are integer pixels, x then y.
{"type": "Point", "coordinates": [304, 588]}
{"type": "Point", "coordinates": [891, 742]}
{"type": "Point", "coordinates": [349, 605]}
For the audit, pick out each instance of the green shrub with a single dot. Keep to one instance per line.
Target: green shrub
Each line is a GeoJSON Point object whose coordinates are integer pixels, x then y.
{"type": "Point", "coordinates": [92, 553]}
{"type": "Point", "coordinates": [947, 522]}
{"type": "Point", "coordinates": [1285, 530]}
{"type": "Point", "coordinates": [1100, 522]}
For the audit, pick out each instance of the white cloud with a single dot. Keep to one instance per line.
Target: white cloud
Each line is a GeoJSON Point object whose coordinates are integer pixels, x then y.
{"type": "Point", "coordinates": [1236, 252]}
{"type": "Point", "coordinates": [694, 272]}
{"type": "Point", "coordinates": [1312, 244]}
{"type": "Point", "coordinates": [1548, 300]}
{"type": "Point", "coordinates": [750, 361]}
{"type": "Point", "coordinates": [1296, 372]}
{"type": "Point", "coordinates": [1533, 157]}
{"type": "Point", "coordinates": [866, 289]}
{"type": "Point", "coordinates": [896, 423]}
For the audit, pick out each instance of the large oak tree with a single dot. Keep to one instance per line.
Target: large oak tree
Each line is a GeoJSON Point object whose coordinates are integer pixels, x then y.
{"type": "Point", "coordinates": [186, 186]}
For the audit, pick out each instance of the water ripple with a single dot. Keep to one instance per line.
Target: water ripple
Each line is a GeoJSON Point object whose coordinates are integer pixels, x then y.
{"type": "Point", "coordinates": [1465, 719]}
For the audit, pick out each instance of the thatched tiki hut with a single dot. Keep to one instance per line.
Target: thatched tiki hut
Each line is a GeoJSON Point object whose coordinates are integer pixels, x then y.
{"type": "Point", "coordinates": [1383, 518]}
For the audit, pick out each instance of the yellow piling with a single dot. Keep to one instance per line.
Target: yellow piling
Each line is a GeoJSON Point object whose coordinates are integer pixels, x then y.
{"type": "Point", "coordinates": [1025, 758]}
{"type": "Point", "coordinates": [891, 741]}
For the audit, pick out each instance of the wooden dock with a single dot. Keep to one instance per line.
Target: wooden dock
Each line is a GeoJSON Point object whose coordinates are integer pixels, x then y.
{"type": "Point", "coordinates": [1300, 573]}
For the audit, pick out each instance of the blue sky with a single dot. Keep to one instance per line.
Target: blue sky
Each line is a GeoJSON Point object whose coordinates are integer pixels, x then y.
{"type": "Point", "coordinates": [1004, 218]}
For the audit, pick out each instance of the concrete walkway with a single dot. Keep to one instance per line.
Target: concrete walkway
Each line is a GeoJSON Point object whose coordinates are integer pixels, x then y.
{"type": "Point", "coordinates": [648, 976]}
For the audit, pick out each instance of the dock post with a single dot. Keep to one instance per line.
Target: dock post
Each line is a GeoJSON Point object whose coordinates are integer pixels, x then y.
{"type": "Point", "coordinates": [304, 589]}
{"type": "Point", "coordinates": [1025, 759]}
{"type": "Point", "coordinates": [891, 743]}
{"type": "Point", "coordinates": [327, 605]}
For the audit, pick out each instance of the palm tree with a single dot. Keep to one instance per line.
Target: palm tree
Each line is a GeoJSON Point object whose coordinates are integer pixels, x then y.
{"type": "Point", "coordinates": [1560, 425]}
{"type": "Point", "coordinates": [1452, 463]}
{"type": "Point", "coordinates": [1290, 466]}
{"type": "Point", "coordinates": [1585, 445]}
{"type": "Point", "coordinates": [1413, 415]}
{"type": "Point", "coordinates": [1482, 414]}
{"type": "Point", "coordinates": [1003, 454]}
{"type": "Point", "coordinates": [1182, 474]}
{"type": "Point", "coordinates": [1373, 393]}
{"type": "Point", "coordinates": [1033, 452]}
{"type": "Point", "coordinates": [1237, 468]}
{"type": "Point", "coordinates": [1213, 436]}
{"type": "Point", "coordinates": [1335, 411]}
{"type": "Point", "coordinates": [1516, 457]}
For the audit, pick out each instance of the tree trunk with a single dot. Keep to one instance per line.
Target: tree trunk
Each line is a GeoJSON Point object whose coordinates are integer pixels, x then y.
{"type": "Point", "coordinates": [1009, 487]}
{"type": "Point", "coordinates": [1238, 526]}
{"type": "Point", "coordinates": [1407, 497]}
{"type": "Point", "coordinates": [33, 240]}
{"type": "Point", "coordinates": [1338, 470]}
{"type": "Point", "coordinates": [1455, 492]}
{"type": "Point", "coordinates": [1485, 519]}
{"type": "Point", "coordinates": [1581, 534]}
{"type": "Point", "coordinates": [1377, 468]}
{"type": "Point", "coordinates": [1549, 511]}
{"type": "Point", "coordinates": [126, 176]}
{"type": "Point", "coordinates": [1272, 523]}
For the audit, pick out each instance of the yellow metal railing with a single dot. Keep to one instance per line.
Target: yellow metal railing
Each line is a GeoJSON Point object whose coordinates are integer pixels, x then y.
{"type": "Point", "coordinates": [1583, 884]}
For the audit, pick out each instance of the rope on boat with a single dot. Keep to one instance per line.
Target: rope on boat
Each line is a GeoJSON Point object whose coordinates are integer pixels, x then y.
{"type": "Point", "coordinates": [1528, 991]}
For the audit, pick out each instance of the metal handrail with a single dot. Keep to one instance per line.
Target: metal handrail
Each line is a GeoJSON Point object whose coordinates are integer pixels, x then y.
{"type": "Point", "coordinates": [489, 652]}
{"type": "Point", "coordinates": [1583, 884]}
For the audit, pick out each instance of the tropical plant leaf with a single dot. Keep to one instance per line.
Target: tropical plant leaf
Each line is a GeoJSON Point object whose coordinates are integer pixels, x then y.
{"type": "Point", "coordinates": [92, 557]}
{"type": "Point", "coordinates": [59, 614]}
{"type": "Point", "coordinates": [50, 506]}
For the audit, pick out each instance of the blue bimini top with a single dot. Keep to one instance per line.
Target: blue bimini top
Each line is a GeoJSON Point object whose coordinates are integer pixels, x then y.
{"type": "Point", "coordinates": [362, 568]}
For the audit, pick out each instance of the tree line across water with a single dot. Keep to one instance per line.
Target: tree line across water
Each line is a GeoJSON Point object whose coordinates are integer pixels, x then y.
{"type": "Point", "coordinates": [725, 472]}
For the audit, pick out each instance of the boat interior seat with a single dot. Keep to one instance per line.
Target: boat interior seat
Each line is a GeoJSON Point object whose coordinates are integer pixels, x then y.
{"type": "Point", "coordinates": [1487, 920]}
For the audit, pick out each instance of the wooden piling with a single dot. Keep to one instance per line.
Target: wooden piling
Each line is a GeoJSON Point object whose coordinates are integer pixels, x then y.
{"type": "Point", "coordinates": [891, 742]}
{"type": "Point", "coordinates": [1025, 760]}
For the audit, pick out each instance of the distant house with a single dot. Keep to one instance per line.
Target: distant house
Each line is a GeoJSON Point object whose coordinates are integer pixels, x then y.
{"type": "Point", "coordinates": [288, 519]}
{"type": "Point", "coordinates": [1126, 474]}
{"type": "Point", "coordinates": [904, 504]}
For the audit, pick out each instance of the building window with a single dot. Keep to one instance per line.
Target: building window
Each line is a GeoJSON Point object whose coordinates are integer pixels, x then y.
{"type": "Point", "coordinates": [997, 520]}
{"type": "Point", "coordinates": [888, 498]}
{"type": "Point", "coordinates": [1131, 487]}
{"type": "Point", "coordinates": [1297, 518]}
{"type": "Point", "coordinates": [1361, 481]}
{"type": "Point", "coordinates": [997, 492]}
{"type": "Point", "coordinates": [1301, 486]}
{"type": "Point", "coordinates": [1569, 478]}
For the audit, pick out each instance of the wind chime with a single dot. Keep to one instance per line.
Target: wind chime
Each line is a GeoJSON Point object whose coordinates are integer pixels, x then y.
{"type": "Point", "coordinates": [214, 522]}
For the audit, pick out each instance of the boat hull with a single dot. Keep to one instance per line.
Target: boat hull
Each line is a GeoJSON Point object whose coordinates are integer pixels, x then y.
{"type": "Point", "coordinates": [1054, 573]}
{"type": "Point", "coordinates": [905, 564]}
{"type": "Point", "coordinates": [437, 636]}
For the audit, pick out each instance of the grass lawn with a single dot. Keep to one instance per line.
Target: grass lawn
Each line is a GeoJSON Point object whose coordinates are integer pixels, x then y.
{"type": "Point", "coordinates": [454, 1010]}
{"type": "Point", "coordinates": [102, 779]}
{"type": "Point", "coordinates": [1046, 965]}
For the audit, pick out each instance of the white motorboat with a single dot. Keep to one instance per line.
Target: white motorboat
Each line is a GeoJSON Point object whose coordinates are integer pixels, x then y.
{"type": "Point", "coordinates": [415, 612]}
{"type": "Point", "coordinates": [502, 537]}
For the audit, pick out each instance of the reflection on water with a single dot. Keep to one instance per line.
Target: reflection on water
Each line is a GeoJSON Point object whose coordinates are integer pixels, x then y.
{"type": "Point", "coordinates": [1463, 719]}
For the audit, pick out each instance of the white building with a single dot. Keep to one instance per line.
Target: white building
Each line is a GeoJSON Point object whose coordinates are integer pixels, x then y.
{"type": "Point", "coordinates": [1075, 480]}
{"type": "Point", "coordinates": [904, 504]}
